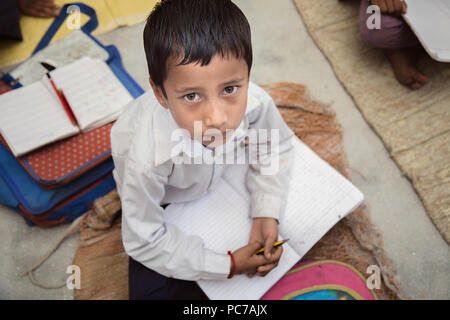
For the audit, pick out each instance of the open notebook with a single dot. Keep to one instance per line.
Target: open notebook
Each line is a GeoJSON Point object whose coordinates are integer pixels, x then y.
{"type": "Point", "coordinates": [430, 21]}
{"type": "Point", "coordinates": [319, 196]}
{"type": "Point", "coordinates": [33, 116]}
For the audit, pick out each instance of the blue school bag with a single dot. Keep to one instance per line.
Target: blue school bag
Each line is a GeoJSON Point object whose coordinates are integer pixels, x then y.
{"type": "Point", "coordinates": [47, 207]}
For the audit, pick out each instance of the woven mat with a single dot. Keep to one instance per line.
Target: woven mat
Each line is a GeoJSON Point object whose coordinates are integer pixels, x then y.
{"type": "Point", "coordinates": [414, 125]}
{"type": "Point", "coordinates": [104, 264]}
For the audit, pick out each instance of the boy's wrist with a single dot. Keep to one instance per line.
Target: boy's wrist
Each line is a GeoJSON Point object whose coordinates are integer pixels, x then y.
{"type": "Point", "coordinates": [216, 265]}
{"type": "Point", "coordinates": [232, 265]}
{"type": "Point", "coordinates": [264, 205]}
{"type": "Point", "coordinates": [262, 218]}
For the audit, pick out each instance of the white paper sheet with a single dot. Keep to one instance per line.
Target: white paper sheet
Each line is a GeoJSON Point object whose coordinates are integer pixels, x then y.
{"type": "Point", "coordinates": [93, 91]}
{"type": "Point", "coordinates": [318, 198]}
{"type": "Point", "coordinates": [31, 117]}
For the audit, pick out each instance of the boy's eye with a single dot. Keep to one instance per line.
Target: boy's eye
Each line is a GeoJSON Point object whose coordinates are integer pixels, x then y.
{"type": "Point", "coordinates": [230, 90]}
{"type": "Point", "coordinates": [191, 97]}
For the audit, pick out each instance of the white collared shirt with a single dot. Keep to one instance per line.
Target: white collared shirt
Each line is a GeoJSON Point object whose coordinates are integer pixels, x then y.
{"type": "Point", "coordinates": [147, 173]}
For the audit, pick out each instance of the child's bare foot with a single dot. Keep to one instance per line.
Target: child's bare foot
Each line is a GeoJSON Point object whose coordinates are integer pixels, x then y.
{"type": "Point", "coordinates": [403, 63]}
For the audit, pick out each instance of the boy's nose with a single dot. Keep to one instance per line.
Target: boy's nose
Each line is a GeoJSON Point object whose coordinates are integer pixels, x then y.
{"type": "Point", "coordinates": [215, 117]}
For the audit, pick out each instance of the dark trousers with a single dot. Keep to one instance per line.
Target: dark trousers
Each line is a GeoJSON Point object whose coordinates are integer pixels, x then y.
{"type": "Point", "coordinates": [146, 284]}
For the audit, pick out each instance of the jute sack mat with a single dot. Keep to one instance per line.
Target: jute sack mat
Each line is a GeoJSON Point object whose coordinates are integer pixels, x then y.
{"type": "Point", "coordinates": [104, 264]}
{"type": "Point", "coordinates": [414, 125]}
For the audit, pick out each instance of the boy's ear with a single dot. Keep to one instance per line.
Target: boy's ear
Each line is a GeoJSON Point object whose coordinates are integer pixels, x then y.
{"type": "Point", "coordinates": [159, 94]}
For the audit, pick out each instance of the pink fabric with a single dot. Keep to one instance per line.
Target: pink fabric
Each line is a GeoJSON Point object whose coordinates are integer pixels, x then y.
{"type": "Point", "coordinates": [320, 274]}
{"type": "Point", "coordinates": [394, 33]}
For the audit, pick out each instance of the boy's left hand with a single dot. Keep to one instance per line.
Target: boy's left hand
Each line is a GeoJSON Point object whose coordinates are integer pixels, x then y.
{"type": "Point", "coordinates": [264, 230]}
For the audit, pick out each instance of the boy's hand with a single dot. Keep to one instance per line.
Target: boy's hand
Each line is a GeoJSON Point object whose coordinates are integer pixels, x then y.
{"type": "Point", "coordinates": [248, 262]}
{"type": "Point", "coordinates": [396, 7]}
{"type": "Point", "coordinates": [265, 231]}
{"type": "Point", "coordinates": [39, 8]}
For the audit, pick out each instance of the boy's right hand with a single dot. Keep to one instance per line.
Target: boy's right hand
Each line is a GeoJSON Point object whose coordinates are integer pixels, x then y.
{"type": "Point", "coordinates": [248, 262]}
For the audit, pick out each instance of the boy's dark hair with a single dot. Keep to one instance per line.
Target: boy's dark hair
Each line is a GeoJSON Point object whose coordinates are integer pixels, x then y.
{"type": "Point", "coordinates": [194, 30]}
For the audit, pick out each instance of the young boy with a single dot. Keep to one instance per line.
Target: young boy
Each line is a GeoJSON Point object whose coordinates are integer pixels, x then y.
{"type": "Point", "coordinates": [199, 57]}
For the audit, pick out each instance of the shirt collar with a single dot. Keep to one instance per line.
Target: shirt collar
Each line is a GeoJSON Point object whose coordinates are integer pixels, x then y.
{"type": "Point", "coordinates": [166, 148]}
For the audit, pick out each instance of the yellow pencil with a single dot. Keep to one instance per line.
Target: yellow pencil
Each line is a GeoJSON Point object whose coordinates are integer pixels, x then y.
{"type": "Point", "coordinates": [276, 244]}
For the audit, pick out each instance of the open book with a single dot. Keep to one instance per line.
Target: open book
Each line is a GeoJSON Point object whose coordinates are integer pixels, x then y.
{"type": "Point", "coordinates": [430, 21]}
{"type": "Point", "coordinates": [318, 197]}
{"type": "Point", "coordinates": [33, 116]}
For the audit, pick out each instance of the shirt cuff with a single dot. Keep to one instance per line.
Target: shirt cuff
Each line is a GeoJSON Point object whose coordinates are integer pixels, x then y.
{"type": "Point", "coordinates": [217, 266]}
{"type": "Point", "coordinates": [265, 205]}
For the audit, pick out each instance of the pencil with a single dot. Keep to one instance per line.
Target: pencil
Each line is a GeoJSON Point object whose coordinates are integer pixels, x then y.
{"type": "Point", "coordinates": [74, 118]}
{"type": "Point", "coordinates": [276, 244]}
{"type": "Point", "coordinates": [61, 99]}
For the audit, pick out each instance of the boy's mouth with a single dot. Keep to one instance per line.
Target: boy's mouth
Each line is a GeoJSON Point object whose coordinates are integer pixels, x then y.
{"type": "Point", "coordinates": [211, 139]}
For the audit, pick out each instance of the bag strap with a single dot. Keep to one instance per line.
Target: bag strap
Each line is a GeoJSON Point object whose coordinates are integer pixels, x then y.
{"type": "Point", "coordinates": [88, 27]}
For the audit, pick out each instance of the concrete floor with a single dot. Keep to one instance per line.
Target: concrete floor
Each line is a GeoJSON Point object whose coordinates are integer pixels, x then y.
{"type": "Point", "coordinates": [283, 51]}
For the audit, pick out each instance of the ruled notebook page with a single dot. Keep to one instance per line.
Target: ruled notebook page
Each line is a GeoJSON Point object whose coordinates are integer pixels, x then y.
{"type": "Point", "coordinates": [94, 93]}
{"type": "Point", "coordinates": [32, 116]}
{"type": "Point", "coordinates": [221, 220]}
{"type": "Point", "coordinates": [318, 198]}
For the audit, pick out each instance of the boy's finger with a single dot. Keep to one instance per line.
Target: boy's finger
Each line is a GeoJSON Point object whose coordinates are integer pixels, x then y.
{"type": "Point", "coordinates": [44, 12]}
{"type": "Point", "coordinates": [390, 6]}
{"type": "Point", "coordinates": [254, 246]}
{"type": "Point", "coordinates": [266, 268]}
{"type": "Point", "coordinates": [404, 6]}
{"type": "Point", "coordinates": [398, 6]}
{"type": "Point", "coordinates": [268, 246]}
{"type": "Point", "coordinates": [38, 13]}
{"type": "Point", "coordinates": [382, 5]}
{"type": "Point", "coordinates": [277, 254]}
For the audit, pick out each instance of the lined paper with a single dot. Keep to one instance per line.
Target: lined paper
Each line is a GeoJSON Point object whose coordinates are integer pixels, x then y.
{"type": "Point", "coordinates": [93, 91]}
{"type": "Point", "coordinates": [318, 198]}
{"type": "Point", "coordinates": [31, 117]}
{"type": "Point", "coordinates": [221, 220]}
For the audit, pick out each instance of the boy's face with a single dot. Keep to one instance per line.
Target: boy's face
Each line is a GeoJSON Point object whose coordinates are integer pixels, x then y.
{"type": "Point", "coordinates": [215, 94]}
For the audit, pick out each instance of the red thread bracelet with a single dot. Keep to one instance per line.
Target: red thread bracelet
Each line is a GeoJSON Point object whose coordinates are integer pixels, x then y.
{"type": "Point", "coordinates": [233, 266]}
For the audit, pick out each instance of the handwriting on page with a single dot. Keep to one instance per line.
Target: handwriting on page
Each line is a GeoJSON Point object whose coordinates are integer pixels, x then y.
{"type": "Point", "coordinates": [92, 90]}
{"type": "Point", "coordinates": [32, 117]}
{"type": "Point", "coordinates": [318, 197]}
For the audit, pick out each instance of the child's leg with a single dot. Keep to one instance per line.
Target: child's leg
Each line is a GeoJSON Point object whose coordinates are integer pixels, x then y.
{"type": "Point", "coordinates": [399, 44]}
{"type": "Point", "coordinates": [146, 284]}
{"type": "Point", "coordinates": [394, 33]}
